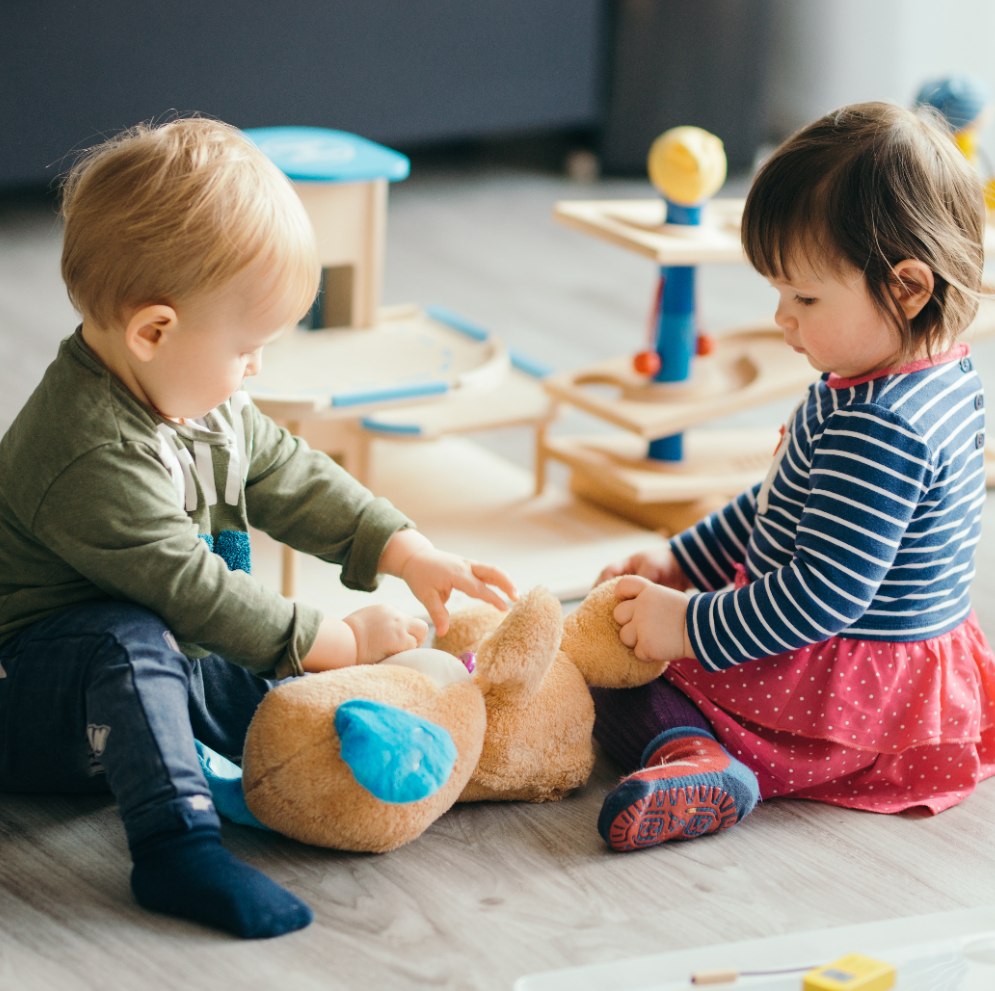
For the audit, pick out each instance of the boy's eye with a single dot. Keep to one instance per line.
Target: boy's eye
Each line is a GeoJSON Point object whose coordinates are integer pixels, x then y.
{"type": "Point", "coordinates": [804, 300]}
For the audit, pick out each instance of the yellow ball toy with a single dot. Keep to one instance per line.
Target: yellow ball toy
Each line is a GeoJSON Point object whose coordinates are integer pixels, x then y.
{"type": "Point", "coordinates": [687, 165]}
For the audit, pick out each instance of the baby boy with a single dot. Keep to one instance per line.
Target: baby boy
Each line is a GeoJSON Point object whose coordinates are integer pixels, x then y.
{"type": "Point", "coordinates": [129, 624]}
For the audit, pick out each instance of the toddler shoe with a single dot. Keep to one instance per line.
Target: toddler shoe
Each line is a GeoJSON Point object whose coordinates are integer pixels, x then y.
{"type": "Point", "coordinates": [689, 786]}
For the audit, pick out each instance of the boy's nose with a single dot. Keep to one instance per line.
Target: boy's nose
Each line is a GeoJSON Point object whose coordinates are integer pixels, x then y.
{"type": "Point", "coordinates": [254, 365]}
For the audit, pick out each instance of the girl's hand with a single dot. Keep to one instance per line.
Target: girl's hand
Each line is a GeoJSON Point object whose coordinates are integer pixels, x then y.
{"type": "Point", "coordinates": [658, 566]}
{"type": "Point", "coordinates": [652, 618]}
{"type": "Point", "coordinates": [432, 575]}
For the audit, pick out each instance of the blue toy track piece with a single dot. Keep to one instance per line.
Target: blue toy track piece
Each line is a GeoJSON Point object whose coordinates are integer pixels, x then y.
{"type": "Point", "coordinates": [318, 154]}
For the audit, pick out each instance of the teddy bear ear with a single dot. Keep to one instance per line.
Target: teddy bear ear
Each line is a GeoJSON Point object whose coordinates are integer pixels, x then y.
{"type": "Point", "coordinates": [590, 640]}
{"type": "Point", "coordinates": [468, 627]}
{"type": "Point", "coordinates": [515, 657]}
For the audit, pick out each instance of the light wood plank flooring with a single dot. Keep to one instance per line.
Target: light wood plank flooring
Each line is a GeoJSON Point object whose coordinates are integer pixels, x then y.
{"type": "Point", "coordinates": [490, 892]}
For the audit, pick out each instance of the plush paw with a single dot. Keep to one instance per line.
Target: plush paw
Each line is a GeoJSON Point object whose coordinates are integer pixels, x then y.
{"type": "Point", "coordinates": [590, 639]}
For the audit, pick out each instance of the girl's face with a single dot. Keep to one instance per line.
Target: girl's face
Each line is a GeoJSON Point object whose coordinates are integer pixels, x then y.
{"type": "Point", "coordinates": [833, 321]}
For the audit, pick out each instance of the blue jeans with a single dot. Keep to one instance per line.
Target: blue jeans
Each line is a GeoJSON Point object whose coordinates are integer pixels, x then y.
{"type": "Point", "coordinates": [98, 698]}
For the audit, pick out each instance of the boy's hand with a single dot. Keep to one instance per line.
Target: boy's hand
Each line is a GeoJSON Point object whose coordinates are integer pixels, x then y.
{"type": "Point", "coordinates": [652, 618]}
{"type": "Point", "coordinates": [432, 575]}
{"type": "Point", "coordinates": [658, 566]}
{"type": "Point", "coordinates": [364, 637]}
{"type": "Point", "coordinates": [383, 630]}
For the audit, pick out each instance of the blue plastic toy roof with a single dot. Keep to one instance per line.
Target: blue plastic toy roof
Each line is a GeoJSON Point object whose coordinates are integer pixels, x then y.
{"type": "Point", "coordinates": [317, 154]}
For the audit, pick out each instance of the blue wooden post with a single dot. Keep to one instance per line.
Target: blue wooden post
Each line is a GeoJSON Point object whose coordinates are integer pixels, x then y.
{"type": "Point", "coordinates": [677, 332]}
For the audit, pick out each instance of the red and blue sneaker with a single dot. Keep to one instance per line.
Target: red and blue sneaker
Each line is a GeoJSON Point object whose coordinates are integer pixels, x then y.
{"type": "Point", "coordinates": [689, 786]}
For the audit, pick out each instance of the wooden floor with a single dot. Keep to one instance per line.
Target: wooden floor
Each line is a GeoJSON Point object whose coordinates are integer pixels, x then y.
{"type": "Point", "coordinates": [490, 892]}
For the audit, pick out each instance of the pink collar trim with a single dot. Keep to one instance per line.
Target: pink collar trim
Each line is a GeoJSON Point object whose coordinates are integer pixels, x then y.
{"type": "Point", "coordinates": [960, 351]}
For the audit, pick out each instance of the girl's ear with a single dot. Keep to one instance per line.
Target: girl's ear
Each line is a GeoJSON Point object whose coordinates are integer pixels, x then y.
{"type": "Point", "coordinates": [145, 330]}
{"type": "Point", "coordinates": [913, 282]}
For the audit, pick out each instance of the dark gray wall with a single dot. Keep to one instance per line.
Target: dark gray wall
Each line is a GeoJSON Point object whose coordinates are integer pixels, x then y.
{"type": "Point", "coordinates": [401, 72]}
{"type": "Point", "coordinates": [701, 62]}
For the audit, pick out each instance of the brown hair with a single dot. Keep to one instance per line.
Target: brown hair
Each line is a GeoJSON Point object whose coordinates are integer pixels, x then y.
{"type": "Point", "coordinates": [164, 214]}
{"type": "Point", "coordinates": [866, 187]}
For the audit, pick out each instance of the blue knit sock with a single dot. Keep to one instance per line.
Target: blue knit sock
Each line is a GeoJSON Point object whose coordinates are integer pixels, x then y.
{"type": "Point", "coordinates": [690, 785]}
{"type": "Point", "coordinates": [193, 876]}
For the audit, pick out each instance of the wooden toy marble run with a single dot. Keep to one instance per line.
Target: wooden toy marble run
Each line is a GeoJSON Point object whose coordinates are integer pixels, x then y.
{"type": "Point", "coordinates": [657, 470]}
{"type": "Point", "coordinates": [362, 371]}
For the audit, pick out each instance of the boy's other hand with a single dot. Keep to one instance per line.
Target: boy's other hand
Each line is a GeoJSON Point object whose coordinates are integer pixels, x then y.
{"type": "Point", "coordinates": [652, 618]}
{"type": "Point", "coordinates": [432, 575]}
{"type": "Point", "coordinates": [383, 630]}
{"type": "Point", "coordinates": [658, 566]}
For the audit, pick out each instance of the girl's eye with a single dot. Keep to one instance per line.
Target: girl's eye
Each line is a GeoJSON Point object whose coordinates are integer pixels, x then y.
{"type": "Point", "coordinates": [804, 300]}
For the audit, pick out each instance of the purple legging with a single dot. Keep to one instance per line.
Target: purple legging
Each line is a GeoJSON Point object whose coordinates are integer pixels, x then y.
{"type": "Point", "coordinates": [627, 719]}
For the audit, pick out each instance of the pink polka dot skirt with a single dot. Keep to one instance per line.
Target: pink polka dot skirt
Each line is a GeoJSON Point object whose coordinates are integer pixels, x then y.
{"type": "Point", "coordinates": [861, 723]}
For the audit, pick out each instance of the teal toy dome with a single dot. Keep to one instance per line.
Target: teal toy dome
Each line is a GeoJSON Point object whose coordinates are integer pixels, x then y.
{"type": "Point", "coordinates": [318, 154]}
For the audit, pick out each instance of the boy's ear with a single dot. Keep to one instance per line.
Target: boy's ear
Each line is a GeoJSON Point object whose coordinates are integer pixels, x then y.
{"type": "Point", "coordinates": [145, 329]}
{"type": "Point", "coordinates": [913, 283]}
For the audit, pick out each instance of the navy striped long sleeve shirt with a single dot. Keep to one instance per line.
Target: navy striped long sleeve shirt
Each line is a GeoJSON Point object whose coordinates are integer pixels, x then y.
{"type": "Point", "coordinates": [865, 527]}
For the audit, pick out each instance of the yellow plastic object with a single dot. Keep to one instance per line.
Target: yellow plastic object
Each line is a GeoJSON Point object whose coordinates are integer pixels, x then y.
{"type": "Point", "coordinates": [687, 165]}
{"type": "Point", "coordinates": [852, 973]}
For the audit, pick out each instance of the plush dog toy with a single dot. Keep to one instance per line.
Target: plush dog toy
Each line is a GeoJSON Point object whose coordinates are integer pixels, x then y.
{"type": "Point", "coordinates": [366, 758]}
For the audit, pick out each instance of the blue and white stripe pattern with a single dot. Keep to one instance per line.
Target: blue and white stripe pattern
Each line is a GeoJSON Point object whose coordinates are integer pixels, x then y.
{"type": "Point", "coordinates": [866, 527]}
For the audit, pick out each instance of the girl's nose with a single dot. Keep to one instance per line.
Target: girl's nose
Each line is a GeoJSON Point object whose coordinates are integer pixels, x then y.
{"type": "Point", "coordinates": [783, 318]}
{"type": "Point", "coordinates": [254, 365]}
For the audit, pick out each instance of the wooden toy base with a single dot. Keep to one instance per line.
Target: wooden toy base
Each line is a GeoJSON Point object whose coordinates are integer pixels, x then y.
{"type": "Point", "coordinates": [612, 471]}
{"type": "Point", "coordinates": [716, 462]}
{"type": "Point", "coordinates": [410, 377]}
{"type": "Point", "coordinates": [747, 368]}
{"type": "Point", "coordinates": [468, 500]}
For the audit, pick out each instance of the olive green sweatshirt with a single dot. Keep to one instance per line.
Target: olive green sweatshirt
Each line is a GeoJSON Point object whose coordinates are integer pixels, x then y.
{"type": "Point", "coordinates": [101, 498]}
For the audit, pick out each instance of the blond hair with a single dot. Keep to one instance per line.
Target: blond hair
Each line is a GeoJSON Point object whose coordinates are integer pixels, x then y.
{"type": "Point", "coordinates": [869, 186]}
{"type": "Point", "coordinates": [163, 214]}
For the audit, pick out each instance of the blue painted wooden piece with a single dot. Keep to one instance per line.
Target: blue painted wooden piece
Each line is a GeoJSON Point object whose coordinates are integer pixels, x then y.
{"type": "Point", "coordinates": [318, 154]}
{"type": "Point", "coordinates": [676, 331]}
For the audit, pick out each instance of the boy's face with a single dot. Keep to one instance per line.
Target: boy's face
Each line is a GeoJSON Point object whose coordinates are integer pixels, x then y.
{"type": "Point", "coordinates": [217, 341]}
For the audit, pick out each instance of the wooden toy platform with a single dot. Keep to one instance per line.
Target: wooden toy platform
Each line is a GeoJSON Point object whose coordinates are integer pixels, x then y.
{"type": "Point", "coordinates": [406, 357]}
{"type": "Point", "coordinates": [638, 225]}
{"type": "Point", "coordinates": [747, 368]}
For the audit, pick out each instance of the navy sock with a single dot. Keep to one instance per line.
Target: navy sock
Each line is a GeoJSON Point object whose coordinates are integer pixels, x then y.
{"type": "Point", "coordinates": [193, 876]}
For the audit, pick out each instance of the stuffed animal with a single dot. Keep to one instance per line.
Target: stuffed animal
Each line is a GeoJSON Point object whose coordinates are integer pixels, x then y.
{"type": "Point", "coordinates": [366, 758]}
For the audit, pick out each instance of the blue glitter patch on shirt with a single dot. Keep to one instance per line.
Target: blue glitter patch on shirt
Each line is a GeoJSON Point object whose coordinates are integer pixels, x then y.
{"type": "Point", "coordinates": [234, 548]}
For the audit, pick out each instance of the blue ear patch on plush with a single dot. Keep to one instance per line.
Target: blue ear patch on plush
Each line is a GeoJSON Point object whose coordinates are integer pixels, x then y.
{"type": "Point", "coordinates": [396, 755]}
{"type": "Point", "coordinates": [225, 781]}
